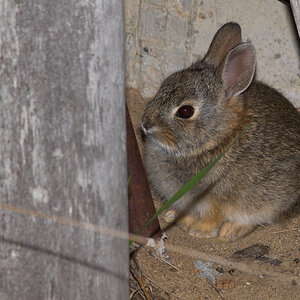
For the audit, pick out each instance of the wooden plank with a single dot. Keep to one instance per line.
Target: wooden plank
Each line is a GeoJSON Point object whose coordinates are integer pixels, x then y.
{"type": "Point", "coordinates": [62, 149]}
{"type": "Point", "coordinates": [295, 4]}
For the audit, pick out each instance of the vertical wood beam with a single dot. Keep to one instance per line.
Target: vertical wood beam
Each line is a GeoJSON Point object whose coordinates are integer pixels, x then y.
{"type": "Point", "coordinates": [62, 148]}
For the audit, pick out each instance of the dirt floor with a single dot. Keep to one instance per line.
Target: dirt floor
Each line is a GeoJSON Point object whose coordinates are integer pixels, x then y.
{"type": "Point", "coordinates": [178, 278]}
{"type": "Point", "coordinates": [263, 265]}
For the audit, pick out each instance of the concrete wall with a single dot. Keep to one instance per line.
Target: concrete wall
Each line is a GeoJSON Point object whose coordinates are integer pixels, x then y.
{"type": "Point", "coordinates": [167, 35]}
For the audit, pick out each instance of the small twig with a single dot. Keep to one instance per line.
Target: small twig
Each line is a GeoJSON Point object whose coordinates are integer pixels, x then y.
{"type": "Point", "coordinates": [133, 293]}
{"type": "Point", "coordinates": [216, 289]}
{"type": "Point", "coordinates": [165, 291]}
{"type": "Point", "coordinates": [286, 230]}
{"type": "Point", "coordinates": [141, 282]}
{"type": "Point", "coordinates": [137, 289]}
{"type": "Point", "coordinates": [139, 276]}
{"type": "Point", "coordinates": [183, 272]}
{"type": "Point", "coordinates": [163, 261]}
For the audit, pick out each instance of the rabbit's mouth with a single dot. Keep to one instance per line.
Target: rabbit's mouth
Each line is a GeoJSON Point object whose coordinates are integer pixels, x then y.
{"type": "Point", "coordinates": [162, 139]}
{"type": "Point", "coordinates": [147, 130]}
{"type": "Point", "coordinates": [147, 133]}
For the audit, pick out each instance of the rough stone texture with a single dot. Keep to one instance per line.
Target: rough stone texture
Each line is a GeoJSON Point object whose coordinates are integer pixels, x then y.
{"type": "Point", "coordinates": [165, 36]}
{"type": "Point", "coordinates": [295, 4]}
{"type": "Point", "coordinates": [62, 149]}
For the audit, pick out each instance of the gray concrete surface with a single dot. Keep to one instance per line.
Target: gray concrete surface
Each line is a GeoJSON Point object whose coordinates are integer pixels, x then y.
{"type": "Point", "coordinates": [168, 35]}
{"type": "Point", "coordinates": [295, 5]}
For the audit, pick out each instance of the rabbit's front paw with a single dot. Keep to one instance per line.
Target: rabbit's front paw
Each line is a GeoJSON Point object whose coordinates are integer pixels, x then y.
{"type": "Point", "coordinates": [233, 230]}
{"type": "Point", "coordinates": [207, 227]}
{"type": "Point", "coordinates": [170, 216]}
{"type": "Point", "coordinates": [204, 230]}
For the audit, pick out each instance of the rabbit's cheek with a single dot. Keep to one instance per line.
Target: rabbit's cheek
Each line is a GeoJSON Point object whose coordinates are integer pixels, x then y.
{"type": "Point", "coordinates": [166, 138]}
{"type": "Point", "coordinates": [162, 139]}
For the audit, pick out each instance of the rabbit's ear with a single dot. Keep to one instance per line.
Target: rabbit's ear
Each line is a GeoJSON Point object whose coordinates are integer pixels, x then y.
{"type": "Point", "coordinates": [238, 68]}
{"type": "Point", "coordinates": [226, 38]}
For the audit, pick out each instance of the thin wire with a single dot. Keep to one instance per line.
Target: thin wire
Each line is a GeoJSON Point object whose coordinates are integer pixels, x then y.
{"type": "Point", "coordinates": [71, 222]}
{"type": "Point", "coordinates": [244, 267]}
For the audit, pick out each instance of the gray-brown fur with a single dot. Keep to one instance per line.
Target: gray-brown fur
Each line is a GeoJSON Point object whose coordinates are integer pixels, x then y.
{"type": "Point", "coordinates": [259, 178]}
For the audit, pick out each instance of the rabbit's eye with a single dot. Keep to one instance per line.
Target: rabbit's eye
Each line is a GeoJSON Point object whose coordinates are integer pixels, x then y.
{"type": "Point", "coordinates": [185, 112]}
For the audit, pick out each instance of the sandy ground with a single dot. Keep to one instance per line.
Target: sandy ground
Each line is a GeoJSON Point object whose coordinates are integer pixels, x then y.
{"type": "Point", "coordinates": [269, 269]}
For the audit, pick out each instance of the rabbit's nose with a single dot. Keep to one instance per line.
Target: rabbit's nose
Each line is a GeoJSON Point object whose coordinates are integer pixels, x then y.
{"type": "Point", "coordinates": [145, 124]}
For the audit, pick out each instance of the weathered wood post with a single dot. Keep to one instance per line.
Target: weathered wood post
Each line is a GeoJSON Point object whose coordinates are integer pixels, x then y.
{"type": "Point", "coordinates": [62, 149]}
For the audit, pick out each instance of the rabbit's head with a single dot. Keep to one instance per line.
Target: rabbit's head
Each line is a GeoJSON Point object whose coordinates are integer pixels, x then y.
{"type": "Point", "coordinates": [194, 107]}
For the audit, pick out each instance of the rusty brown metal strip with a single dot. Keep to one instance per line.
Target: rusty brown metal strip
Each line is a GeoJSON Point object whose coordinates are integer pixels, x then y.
{"type": "Point", "coordinates": [141, 206]}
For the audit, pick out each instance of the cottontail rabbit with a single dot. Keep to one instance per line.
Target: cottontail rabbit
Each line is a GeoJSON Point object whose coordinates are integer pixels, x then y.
{"type": "Point", "coordinates": [196, 114]}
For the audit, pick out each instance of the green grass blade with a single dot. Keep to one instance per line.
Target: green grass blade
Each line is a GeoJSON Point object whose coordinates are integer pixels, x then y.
{"type": "Point", "coordinates": [190, 184]}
